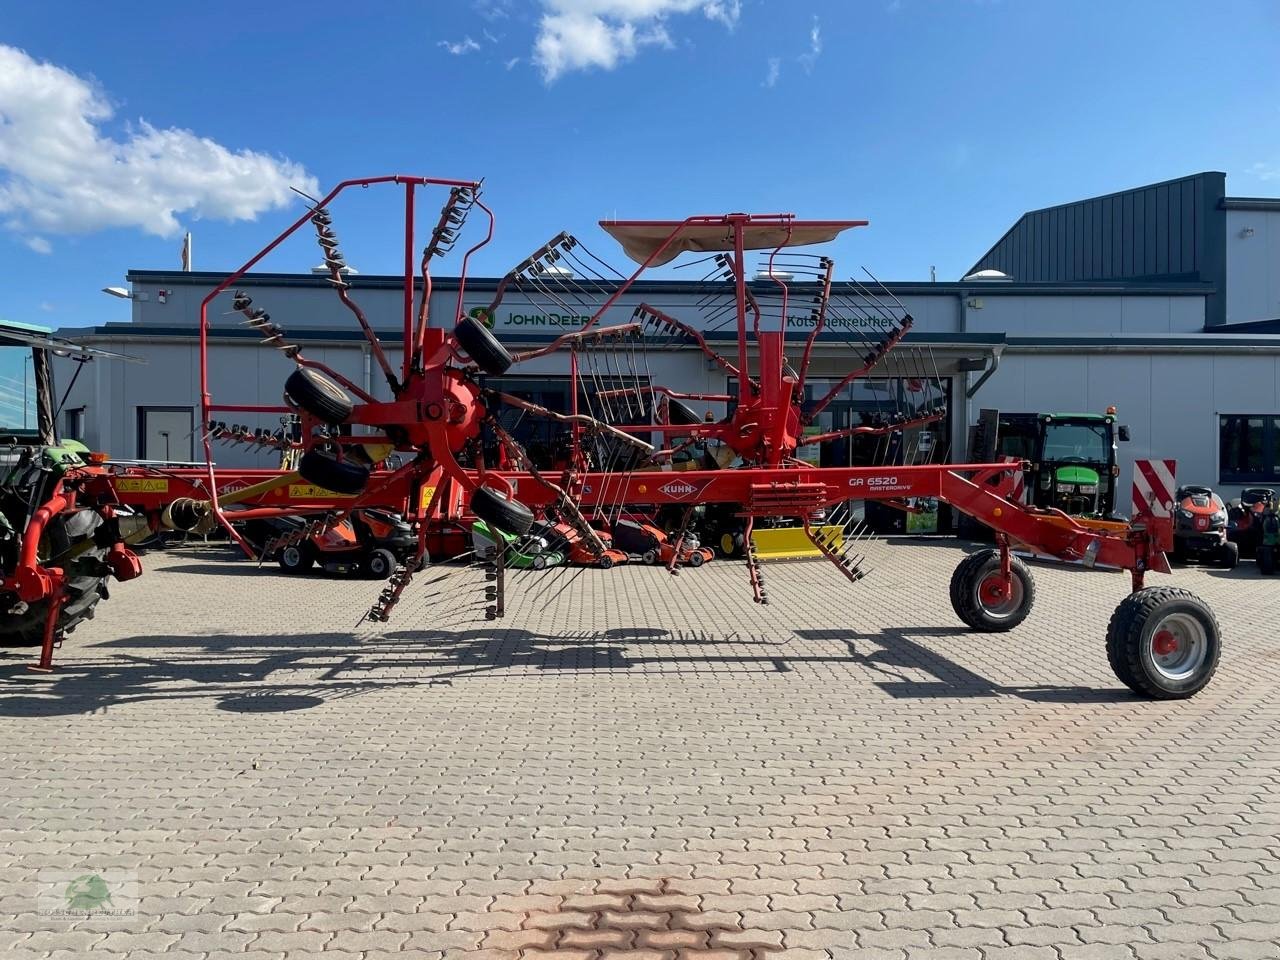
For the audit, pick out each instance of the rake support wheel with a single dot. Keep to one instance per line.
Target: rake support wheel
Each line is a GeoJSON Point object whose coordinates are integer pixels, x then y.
{"type": "Point", "coordinates": [976, 593]}
{"type": "Point", "coordinates": [482, 346]}
{"type": "Point", "coordinates": [318, 395]}
{"type": "Point", "coordinates": [501, 512]}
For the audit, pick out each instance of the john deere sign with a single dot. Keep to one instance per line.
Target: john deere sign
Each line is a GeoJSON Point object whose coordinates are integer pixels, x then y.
{"type": "Point", "coordinates": [532, 320]}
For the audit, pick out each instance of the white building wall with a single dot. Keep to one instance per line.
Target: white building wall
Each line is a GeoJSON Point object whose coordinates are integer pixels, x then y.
{"type": "Point", "coordinates": [1253, 265]}
{"type": "Point", "coordinates": [1170, 401]}
{"type": "Point", "coordinates": [1022, 316]}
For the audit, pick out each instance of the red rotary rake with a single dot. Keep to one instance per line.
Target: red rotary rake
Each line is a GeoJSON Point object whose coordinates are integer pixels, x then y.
{"type": "Point", "coordinates": [447, 421]}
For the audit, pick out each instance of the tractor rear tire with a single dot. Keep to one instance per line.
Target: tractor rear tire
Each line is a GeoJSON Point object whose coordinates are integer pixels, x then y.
{"type": "Point", "coordinates": [86, 586]}
{"type": "Point", "coordinates": [318, 395]}
{"type": "Point", "coordinates": [339, 476]}
{"type": "Point", "coordinates": [967, 593]}
{"type": "Point", "coordinates": [501, 512]}
{"type": "Point", "coordinates": [482, 346]}
{"type": "Point", "coordinates": [1228, 555]}
{"type": "Point", "coordinates": [1163, 643]}
{"type": "Point", "coordinates": [380, 564]}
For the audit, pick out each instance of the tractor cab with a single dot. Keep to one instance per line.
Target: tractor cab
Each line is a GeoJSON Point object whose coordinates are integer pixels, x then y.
{"type": "Point", "coordinates": [1072, 457]}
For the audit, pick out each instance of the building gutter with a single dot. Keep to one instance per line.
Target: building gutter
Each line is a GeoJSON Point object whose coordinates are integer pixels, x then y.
{"type": "Point", "coordinates": [986, 374]}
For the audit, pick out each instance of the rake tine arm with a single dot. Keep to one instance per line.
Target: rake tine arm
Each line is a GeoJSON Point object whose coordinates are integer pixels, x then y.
{"type": "Point", "coordinates": [876, 357]}
{"type": "Point", "coordinates": [514, 275]}
{"type": "Point", "coordinates": [659, 318]}
{"type": "Point", "coordinates": [594, 335]}
{"type": "Point", "coordinates": [875, 431]}
{"type": "Point", "coordinates": [819, 321]}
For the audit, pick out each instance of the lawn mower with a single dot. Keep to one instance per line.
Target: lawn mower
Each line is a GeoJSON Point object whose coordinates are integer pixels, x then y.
{"type": "Point", "coordinates": [1268, 553]}
{"type": "Point", "coordinates": [1163, 642]}
{"type": "Point", "coordinates": [653, 546]}
{"type": "Point", "coordinates": [528, 552]}
{"type": "Point", "coordinates": [1200, 528]}
{"type": "Point", "coordinates": [569, 540]}
{"type": "Point", "coordinates": [1244, 516]}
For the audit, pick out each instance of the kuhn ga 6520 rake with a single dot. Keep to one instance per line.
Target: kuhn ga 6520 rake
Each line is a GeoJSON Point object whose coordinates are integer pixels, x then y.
{"type": "Point", "coordinates": [1162, 642]}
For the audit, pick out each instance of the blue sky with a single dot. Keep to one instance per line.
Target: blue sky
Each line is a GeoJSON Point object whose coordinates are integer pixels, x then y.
{"type": "Point", "coordinates": [939, 122]}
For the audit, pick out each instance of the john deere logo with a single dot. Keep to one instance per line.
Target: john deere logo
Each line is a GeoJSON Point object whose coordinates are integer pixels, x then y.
{"type": "Point", "coordinates": [483, 315]}
{"type": "Point", "coordinates": [87, 893]}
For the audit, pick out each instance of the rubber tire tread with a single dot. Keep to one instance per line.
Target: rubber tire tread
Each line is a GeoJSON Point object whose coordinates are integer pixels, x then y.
{"type": "Point", "coordinates": [964, 583]}
{"type": "Point", "coordinates": [1124, 640]}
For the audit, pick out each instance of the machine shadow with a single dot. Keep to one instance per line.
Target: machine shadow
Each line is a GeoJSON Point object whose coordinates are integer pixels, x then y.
{"type": "Point", "coordinates": [283, 673]}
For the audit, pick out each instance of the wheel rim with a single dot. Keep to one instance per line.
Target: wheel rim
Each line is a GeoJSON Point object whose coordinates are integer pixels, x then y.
{"type": "Point", "coordinates": [292, 556]}
{"type": "Point", "coordinates": [993, 599]}
{"type": "Point", "coordinates": [1178, 646]}
{"type": "Point", "coordinates": [378, 566]}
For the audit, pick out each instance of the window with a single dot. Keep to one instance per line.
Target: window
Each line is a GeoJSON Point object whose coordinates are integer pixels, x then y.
{"type": "Point", "coordinates": [73, 425]}
{"type": "Point", "coordinates": [1248, 448]}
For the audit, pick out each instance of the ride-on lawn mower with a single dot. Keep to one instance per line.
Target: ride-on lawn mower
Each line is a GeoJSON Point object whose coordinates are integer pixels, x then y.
{"type": "Point", "coordinates": [1268, 554]}
{"type": "Point", "coordinates": [1244, 518]}
{"type": "Point", "coordinates": [370, 543]}
{"type": "Point", "coordinates": [1200, 528]}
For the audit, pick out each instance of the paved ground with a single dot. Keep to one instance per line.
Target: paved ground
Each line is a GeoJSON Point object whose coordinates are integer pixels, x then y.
{"type": "Point", "coordinates": [640, 766]}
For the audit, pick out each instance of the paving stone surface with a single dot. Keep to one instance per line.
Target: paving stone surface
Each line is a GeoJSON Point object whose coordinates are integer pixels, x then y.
{"type": "Point", "coordinates": [634, 765]}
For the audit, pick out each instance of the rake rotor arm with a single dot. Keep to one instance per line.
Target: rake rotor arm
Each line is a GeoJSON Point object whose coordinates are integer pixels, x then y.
{"type": "Point", "coordinates": [653, 315]}
{"type": "Point", "coordinates": [872, 359]}
{"type": "Point", "coordinates": [513, 275]}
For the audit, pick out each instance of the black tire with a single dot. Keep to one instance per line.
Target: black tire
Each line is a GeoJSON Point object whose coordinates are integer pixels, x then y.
{"type": "Point", "coordinates": [380, 564]}
{"type": "Point", "coordinates": [1135, 630]}
{"type": "Point", "coordinates": [86, 587]}
{"type": "Point", "coordinates": [500, 512]}
{"type": "Point", "coordinates": [482, 346]}
{"type": "Point", "coordinates": [681, 414]}
{"type": "Point", "coordinates": [968, 603]}
{"type": "Point", "coordinates": [1265, 558]}
{"type": "Point", "coordinates": [318, 395]}
{"type": "Point", "coordinates": [296, 558]}
{"type": "Point", "coordinates": [539, 562]}
{"type": "Point", "coordinates": [696, 559]}
{"type": "Point", "coordinates": [1228, 555]}
{"type": "Point", "coordinates": [339, 476]}
{"type": "Point", "coordinates": [605, 563]}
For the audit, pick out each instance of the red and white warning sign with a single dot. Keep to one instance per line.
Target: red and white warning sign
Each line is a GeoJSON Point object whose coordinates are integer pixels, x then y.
{"type": "Point", "coordinates": [1018, 494]}
{"type": "Point", "coordinates": [1153, 487]}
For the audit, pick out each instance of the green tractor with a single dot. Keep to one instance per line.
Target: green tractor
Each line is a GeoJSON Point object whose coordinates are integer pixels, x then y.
{"type": "Point", "coordinates": [1072, 457]}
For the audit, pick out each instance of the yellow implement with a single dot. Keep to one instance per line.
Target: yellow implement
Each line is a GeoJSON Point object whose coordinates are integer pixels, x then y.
{"type": "Point", "coordinates": [790, 543]}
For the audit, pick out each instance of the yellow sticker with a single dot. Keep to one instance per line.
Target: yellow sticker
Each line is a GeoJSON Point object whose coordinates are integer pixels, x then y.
{"type": "Point", "coordinates": [424, 497]}
{"type": "Point", "coordinates": [142, 485]}
{"type": "Point", "coordinates": [302, 491]}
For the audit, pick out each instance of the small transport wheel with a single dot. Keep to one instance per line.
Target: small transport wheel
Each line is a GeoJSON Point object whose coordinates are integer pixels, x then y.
{"type": "Point", "coordinates": [539, 562]}
{"type": "Point", "coordinates": [501, 512]}
{"type": "Point", "coordinates": [696, 559]}
{"type": "Point", "coordinates": [650, 556]}
{"type": "Point", "coordinates": [1163, 643]}
{"type": "Point", "coordinates": [482, 346]}
{"type": "Point", "coordinates": [318, 395]}
{"type": "Point", "coordinates": [380, 564]}
{"type": "Point", "coordinates": [1228, 555]}
{"type": "Point", "coordinates": [606, 563]}
{"type": "Point", "coordinates": [339, 476]}
{"type": "Point", "coordinates": [978, 596]}
{"type": "Point", "coordinates": [296, 558]}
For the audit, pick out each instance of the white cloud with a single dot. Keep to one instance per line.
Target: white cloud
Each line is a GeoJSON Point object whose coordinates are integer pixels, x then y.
{"type": "Point", "coordinates": [38, 244]}
{"type": "Point", "coordinates": [465, 45]}
{"type": "Point", "coordinates": [47, 307]}
{"type": "Point", "coordinates": [61, 173]}
{"type": "Point", "coordinates": [775, 70]}
{"type": "Point", "coordinates": [1265, 171]}
{"type": "Point", "coordinates": [493, 9]}
{"type": "Point", "coordinates": [582, 34]}
{"type": "Point", "coordinates": [807, 60]}
{"type": "Point", "coordinates": [510, 64]}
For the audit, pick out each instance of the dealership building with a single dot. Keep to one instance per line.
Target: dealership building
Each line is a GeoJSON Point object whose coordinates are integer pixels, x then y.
{"type": "Point", "coordinates": [1161, 301]}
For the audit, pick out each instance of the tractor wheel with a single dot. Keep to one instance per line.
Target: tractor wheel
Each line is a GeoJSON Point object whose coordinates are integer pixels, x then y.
{"type": "Point", "coordinates": [975, 595]}
{"type": "Point", "coordinates": [501, 512]}
{"type": "Point", "coordinates": [1163, 643]}
{"type": "Point", "coordinates": [339, 476]}
{"type": "Point", "coordinates": [482, 346]}
{"type": "Point", "coordinates": [380, 564]}
{"type": "Point", "coordinates": [1228, 555]}
{"type": "Point", "coordinates": [86, 584]}
{"type": "Point", "coordinates": [296, 558]}
{"type": "Point", "coordinates": [318, 395]}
